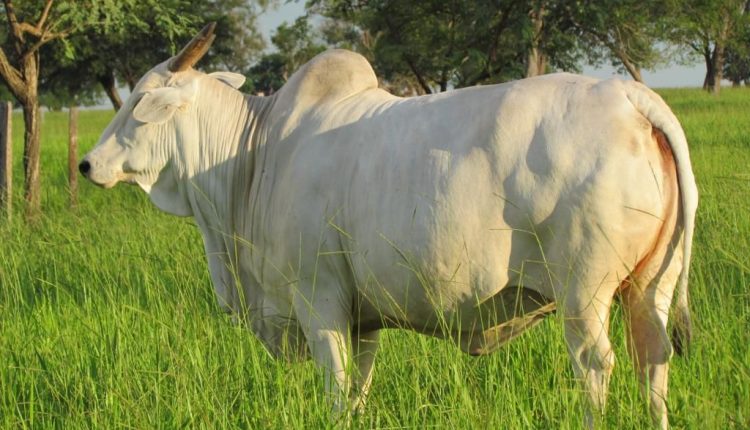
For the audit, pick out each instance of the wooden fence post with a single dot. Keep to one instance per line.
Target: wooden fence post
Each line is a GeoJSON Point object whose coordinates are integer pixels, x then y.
{"type": "Point", "coordinates": [73, 155]}
{"type": "Point", "coordinates": [6, 159]}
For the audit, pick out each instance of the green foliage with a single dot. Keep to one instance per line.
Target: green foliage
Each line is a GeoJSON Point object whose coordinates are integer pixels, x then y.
{"type": "Point", "coordinates": [239, 42]}
{"type": "Point", "coordinates": [431, 46]}
{"type": "Point", "coordinates": [295, 44]}
{"type": "Point", "coordinates": [267, 76]}
{"type": "Point", "coordinates": [435, 45]}
{"type": "Point", "coordinates": [108, 320]}
{"type": "Point", "coordinates": [92, 56]}
{"type": "Point", "coordinates": [147, 33]}
{"type": "Point", "coordinates": [737, 65]}
{"type": "Point", "coordinates": [712, 30]}
{"type": "Point", "coordinates": [625, 33]}
{"type": "Point", "coordinates": [438, 44]}
{"type": "Point", "coordinates": [70, 15]}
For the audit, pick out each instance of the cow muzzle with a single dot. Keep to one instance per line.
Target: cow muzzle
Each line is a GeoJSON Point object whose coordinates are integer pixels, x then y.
{"type": "Point", "coordinates": [103, 176]}
{"type": "Point", "coordinates": [84, 168]}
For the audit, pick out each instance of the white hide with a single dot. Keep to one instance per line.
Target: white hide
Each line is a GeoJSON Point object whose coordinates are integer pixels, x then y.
{"type": "Point", "coordinates": [342, 209]}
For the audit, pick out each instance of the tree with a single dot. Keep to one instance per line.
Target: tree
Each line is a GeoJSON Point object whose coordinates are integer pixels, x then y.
{"type": "Point", "coordinates": [551, 38]}
{"type": "Point", "coordinates": [626, 33]}
{"type": "Point", "coordinates": [438, 44]}
{"type": "Point", "coordinates": [737, 57]}
{"type": "Point", "coordinates": [708, 28]}
{"type": "Point", "coordinates": [148, 36]}
{"type": "Point", "coordinates": [737, 60]}
{"type": "Point", "coordinates": [267, 76]}
{"type": "Point", "coordinates": [536, 63]}
{"type": "Point", "coordinates": [434, 45]}
{"type": "Point", "coordinates": [28, 27]}
{"type": "Point", "coordinates": [238, 39]}
{"type": "Point", "coordinates": [295, 45]}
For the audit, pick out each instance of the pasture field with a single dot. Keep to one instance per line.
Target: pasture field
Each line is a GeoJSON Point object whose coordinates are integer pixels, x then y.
{"type": "Point", "coordinates": [108, 320]}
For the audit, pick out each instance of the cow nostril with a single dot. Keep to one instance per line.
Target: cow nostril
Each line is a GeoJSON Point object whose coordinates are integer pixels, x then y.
{"type": "Point", "coordinates": [84, 167]}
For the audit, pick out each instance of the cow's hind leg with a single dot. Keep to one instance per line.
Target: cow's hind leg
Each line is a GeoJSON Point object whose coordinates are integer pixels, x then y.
{"type": "Point", "coordinates": [586, 325]}
{"type": "Point", "coordinates": [365, 347]}
{"type": "Point", "coordinates": [646, 304]}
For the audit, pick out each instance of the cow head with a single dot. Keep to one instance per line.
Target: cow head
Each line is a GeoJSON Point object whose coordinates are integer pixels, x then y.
{"type": "Point", "coordinates": [142, 140]}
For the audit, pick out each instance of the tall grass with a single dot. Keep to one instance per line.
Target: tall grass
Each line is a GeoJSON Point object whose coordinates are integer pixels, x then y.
{"type": "Point", "coordinates": [108, 320]}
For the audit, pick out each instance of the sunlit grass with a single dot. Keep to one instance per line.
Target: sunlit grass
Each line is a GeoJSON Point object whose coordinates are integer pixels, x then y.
{"type": "Point", "coordinates": [108, 320]}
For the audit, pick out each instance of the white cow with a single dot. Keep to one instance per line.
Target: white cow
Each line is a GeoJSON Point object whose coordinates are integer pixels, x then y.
{"type": "Point", "coordinates": [334, 209]}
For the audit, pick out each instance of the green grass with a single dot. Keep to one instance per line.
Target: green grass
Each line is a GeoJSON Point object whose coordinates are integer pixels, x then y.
{"type": "Point", "coordinates": [108, 320]}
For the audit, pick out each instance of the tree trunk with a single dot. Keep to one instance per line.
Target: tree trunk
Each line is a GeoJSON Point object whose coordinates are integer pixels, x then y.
{"type": "Point", "coordinates": [31, 153]}
{"type": "Point", "coordinates": [31, 137]}
{"type": "Point", "coordinates": [720, 51]}
{"type": "Point", "coordinates": [716, 58]}
{"type": "Point", "coordinates": [422, 83]}
{"type": "Point", "coordinates": [718, 67]}
{"type": "Point", "coordinates": [535, 61]}
{"type": "Point", "coordinates": [708, 81]}
{"type": "Point", "coordinates": [632, 68]}
{"type": "Point", "coordinates": [107, 80]}
{"type": "Point", "coordinates": [131, 81]}
{"type": "Point", "coordinates": [444, 81]}
{"type": "Point", "coordinates": [23, 83]}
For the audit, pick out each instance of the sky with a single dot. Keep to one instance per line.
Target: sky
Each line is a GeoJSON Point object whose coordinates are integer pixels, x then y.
{"type": "Point", "coordinates": [665, 77]}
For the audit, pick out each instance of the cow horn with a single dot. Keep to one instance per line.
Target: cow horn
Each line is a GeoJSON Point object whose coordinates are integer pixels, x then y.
{"type": "Point", "coordinates": [194, 50]}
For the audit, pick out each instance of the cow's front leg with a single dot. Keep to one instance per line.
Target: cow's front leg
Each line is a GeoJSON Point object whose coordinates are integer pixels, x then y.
{"type": "Point", "coordinates": [326, 322]}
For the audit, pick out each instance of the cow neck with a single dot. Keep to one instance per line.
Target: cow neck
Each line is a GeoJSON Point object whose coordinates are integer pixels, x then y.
{"type": "Point", "coordinates": [228, 129]}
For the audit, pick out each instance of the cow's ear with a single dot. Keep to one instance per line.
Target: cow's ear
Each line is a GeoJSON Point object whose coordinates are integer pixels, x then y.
{"type": "Point", "coordinates": [158, 105]}
{"type": "Point", "coordinates": [234, 80]}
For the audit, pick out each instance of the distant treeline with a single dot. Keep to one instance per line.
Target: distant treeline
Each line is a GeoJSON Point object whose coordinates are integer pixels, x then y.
{"type": "Point", "coordinates": [416, 47]}
{"type": "Point", "coordinates": [428, 46]}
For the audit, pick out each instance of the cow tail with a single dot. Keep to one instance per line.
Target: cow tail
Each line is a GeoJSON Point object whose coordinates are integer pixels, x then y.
{"type": "Point", "coordinates": [651, 106]}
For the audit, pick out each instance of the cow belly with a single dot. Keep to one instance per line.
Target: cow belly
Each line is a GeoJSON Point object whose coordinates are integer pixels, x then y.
{"type": "Point", "coordinates": [441, 287]}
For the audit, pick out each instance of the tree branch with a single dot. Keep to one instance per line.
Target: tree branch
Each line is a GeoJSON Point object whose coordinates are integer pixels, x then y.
{"type": "Point", "coordinates": [502, 25]}
{"type": "Point", "coordinates": [45, 14]}
{"type": "Point", "coordinates": [45, 37]}
{"type": "Point", "coordinates": [407, 58]}
{"type": "Point", "coordinates": [25, 27]}
{"type": "Point", "coordinates": [422, 83]}
{"type": "Point", "coordinates": [38, 30]}
{"type": "Point", "coordinates": [11, 75]}
{"type": "Point", "coordinates": [10, 11]}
